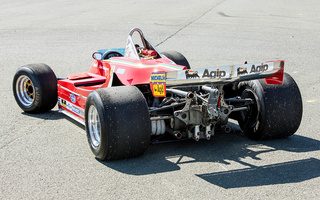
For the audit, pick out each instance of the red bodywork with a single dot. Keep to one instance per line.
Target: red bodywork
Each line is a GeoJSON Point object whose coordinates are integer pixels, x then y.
{"type": "Point", "coordinates": [73, 91]}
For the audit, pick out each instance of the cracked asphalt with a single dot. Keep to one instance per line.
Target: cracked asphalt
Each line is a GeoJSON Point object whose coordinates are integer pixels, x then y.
{"type": "Point", "coordinates": [46, 156]}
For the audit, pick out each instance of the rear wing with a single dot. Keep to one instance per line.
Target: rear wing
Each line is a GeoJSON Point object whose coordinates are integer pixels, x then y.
{"type": "Point", "coordinates": [272, 71]}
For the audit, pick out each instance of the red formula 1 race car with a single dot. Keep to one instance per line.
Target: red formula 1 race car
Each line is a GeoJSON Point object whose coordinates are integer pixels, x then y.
{"type": "Point", "coordinates": [136, 95]}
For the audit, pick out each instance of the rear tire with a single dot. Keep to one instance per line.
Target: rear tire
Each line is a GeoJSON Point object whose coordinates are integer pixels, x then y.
{"type": "Point", "coordinates": [276, 112]}
{"type": "Point", "coordinates": [117, 122]}
{"type": "Point", "coordinates": [35, 88]}
{"type": "Point", "coordinates": [177, 57]}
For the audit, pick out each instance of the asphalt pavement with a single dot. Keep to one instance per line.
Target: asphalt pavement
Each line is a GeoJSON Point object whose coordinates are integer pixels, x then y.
{"type": "Point", "coordinates": [46, 156]}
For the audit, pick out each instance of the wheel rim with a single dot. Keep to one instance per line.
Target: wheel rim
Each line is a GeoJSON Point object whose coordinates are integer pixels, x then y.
{"type": "Point", "coordinates": [25, 91]}
{"type": "Point", "coordinates": [94, 126]}
{"type": "Point", "coordinates": [251, 116]}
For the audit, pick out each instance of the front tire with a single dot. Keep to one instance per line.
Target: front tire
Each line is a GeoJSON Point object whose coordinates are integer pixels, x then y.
{"type": "Point", "coordinates": [276, 112]}
{"type": "Point", "coordinates": [35, 88]}
{"type": "Point", "coordinates": [117, 122]}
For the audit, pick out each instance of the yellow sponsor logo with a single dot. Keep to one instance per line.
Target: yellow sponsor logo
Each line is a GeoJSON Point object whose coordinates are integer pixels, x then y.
{"type": "Point", "coordinates": [158, 84]}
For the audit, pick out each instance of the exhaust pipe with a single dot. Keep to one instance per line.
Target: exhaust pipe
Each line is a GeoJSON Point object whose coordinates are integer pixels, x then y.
{"type": "Point", "coordinates": [226, 129]}
{"type": "Point", "coordinates": [177, 134]}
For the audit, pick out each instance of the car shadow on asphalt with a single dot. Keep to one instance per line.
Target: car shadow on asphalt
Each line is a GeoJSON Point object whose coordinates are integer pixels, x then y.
{"type": "Point", "coordinates": [50, 115]}
{"type": "Point", "coordinates": [54, 115]}
{"type": "Point", "coordinates": [287, 172]}
{"type": "Point", "coordinates": [224, 148]}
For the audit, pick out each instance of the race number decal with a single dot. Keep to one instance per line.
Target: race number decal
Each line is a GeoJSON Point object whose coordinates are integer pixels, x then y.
{"type": "Point", "coordinates": [158, 84]}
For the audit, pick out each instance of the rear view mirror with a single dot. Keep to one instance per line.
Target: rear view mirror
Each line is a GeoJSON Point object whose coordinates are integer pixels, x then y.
{"type": "Point", "coordinates": [97, 56]}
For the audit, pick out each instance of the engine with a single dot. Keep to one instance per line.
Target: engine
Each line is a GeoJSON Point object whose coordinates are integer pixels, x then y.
{"type": "Point", "coordinates": [194, 114]}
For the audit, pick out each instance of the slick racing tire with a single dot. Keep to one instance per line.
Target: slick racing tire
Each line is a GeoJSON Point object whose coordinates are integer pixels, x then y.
{"type": "Point", "coordinates": [276, 112]}
{"type": "Point", "coordinates": [177, 57]}
{"type": "Point", "coordinates": [117, 122]}
{"type": "Point", "coordinates": [35, 88]}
